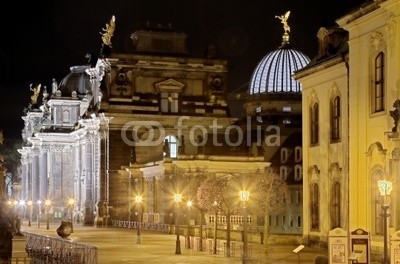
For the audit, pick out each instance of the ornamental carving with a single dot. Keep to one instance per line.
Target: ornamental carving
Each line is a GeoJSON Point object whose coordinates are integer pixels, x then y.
{"type": "Point", "coordinates": [396, 154]}
{"type": "Point", "coordinates": [377, 42]}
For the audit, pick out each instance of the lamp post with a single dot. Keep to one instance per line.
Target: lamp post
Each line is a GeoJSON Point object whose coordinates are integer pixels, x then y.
{"type": "Point", "coordinates": [178, 198]}
{"type": "Point", "coordinates": [47, 203]}
{"type": "Point", "coordinates": [71, 203]}
{"type": "Point", "coordinates": [129, 194]}
{"type": "Point", "coordinates": [138, 200]}
{"type": "Point", "coordinates": [244, 197]}
{"type": "Point", "coordinates": [30, 204]}
{"type": "Point", "coordinates": [385, 188]}
{"type": "Point", "coordinates": [189, 205]}
{"type": "Point", "coordinates": [39, 212]}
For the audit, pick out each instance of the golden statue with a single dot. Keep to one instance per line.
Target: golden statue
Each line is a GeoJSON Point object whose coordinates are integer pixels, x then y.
{"type": "Point", "coordinates": [36, 91]}
{"type": "Point", "coordinates": [284, 18]}
{"type": "Point", "coordinates": [108, 32]}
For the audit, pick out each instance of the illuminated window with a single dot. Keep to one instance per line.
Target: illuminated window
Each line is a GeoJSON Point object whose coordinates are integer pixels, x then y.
{"type": "Point", "coordinates": [297, 154]}
{"type": "Point", "coordinates": [283, 172]}
{"type": "Point", "coordinates": [170, 147]}
{"type": "Point", "coordinates": [298, 172]}
{"type": "Point", "coordinates": [284, 155]}
{"type": "Point", "coordinates": [169, 102]}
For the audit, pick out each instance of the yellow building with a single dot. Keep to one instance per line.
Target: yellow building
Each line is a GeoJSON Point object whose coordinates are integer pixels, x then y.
{"type": "Point", "coordinates": [350, 133]}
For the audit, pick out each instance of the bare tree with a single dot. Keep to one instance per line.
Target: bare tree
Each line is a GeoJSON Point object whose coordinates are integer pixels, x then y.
{"type": "Point", "coordinates": [219, 194]}
{"type": "Point", "coordinates": [270, 195]}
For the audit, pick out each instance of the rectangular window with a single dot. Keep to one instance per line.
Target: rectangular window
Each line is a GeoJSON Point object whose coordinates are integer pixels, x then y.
{"type": "Point", "coordinates": [169, 102]}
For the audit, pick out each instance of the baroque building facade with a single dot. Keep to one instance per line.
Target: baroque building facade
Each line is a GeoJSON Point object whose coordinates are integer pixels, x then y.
{"type": "Point", "coordinates": [350, 131]}
{"type": "Point", "coordinates": [153, 122]}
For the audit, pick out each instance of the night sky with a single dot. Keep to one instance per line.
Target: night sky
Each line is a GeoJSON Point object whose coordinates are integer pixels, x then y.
{"type": "Point", "coordinates": [41, 40]}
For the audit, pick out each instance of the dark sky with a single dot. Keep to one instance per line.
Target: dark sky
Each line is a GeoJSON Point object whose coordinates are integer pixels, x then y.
{"type": "Point", "coordinates": [42, 39]}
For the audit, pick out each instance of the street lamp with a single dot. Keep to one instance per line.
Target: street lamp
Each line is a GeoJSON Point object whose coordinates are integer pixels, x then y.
{"type": "Point", "coordinates": [385, 187]}
{"type": "Point", "coordinates": [138, 200]}
{"type": "Point", "coordinates": [47, 203]}
{"type": "Point", "coordinates": [71, 203]}
{"type": "Point", "coordinates": [30, 204]}
{"type": "Point", "coordinates": [39, 212]}
{"type": "Point", "coordinates": [244, 197]}
{"type": "Point", "coordinates": [178, 198]}
{"type": "Point", "coordinates": [189, 204]}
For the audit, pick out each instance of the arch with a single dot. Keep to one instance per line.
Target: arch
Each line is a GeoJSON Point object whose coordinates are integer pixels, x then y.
{"type": "Point", "coordinates": [313, 169]}
{"type": "Point", "coordinates": [376, 145]}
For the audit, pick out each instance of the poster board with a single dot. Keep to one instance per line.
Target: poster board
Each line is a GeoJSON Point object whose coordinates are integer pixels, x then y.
{"type": "Point", "coordinates": [360, 245]}
{"type": "Point", "coordinates": [395, 248]}
{"type": "Point", "coordinates": [338, 246]}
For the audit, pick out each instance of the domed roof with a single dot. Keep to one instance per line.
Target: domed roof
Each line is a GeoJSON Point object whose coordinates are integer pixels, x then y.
{"type": "Point", "coordinates": [77, 80]}
{"type": "Point", "coordinates": [274, 72]}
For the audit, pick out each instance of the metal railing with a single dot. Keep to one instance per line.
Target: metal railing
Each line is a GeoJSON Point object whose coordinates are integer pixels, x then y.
{"type": "Point", "coordinates": [142, 225]}
{"type": "Point", "coordinates": [51, 250]}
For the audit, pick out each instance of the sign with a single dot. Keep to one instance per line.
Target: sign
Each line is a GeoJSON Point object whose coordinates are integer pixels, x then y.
{"type": "Point", "coordinates": [360, 245]}
{"type": "Point", "coordinates": [338, 246]}
{"type": "Point", "coordinates": [395, 248]}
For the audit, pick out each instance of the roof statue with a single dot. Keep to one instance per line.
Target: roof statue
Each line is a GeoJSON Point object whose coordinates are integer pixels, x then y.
{"type": "Point", "coordinates": [108, 32]}
{"type": "Point", "coordinates": [36, 91]}
{"type": "Point", "coordinates": [286, 28]}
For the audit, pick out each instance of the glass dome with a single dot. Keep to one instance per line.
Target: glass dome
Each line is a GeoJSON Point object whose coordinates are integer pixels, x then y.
{"type": "Point", "coordinates": [274, 72]}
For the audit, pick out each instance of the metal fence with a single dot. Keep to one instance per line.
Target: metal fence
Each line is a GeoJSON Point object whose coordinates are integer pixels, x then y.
{"type": "Point", "coordinates": [142, 225]}
{"type": "Point", "coordinates": [52, 250]}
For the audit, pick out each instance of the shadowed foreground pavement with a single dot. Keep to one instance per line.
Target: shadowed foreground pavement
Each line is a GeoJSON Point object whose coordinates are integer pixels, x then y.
{"type": "Point", "coordinates": [116, 245]}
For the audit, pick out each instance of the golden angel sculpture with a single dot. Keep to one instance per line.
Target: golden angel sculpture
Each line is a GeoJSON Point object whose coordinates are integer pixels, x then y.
{"type": "Point", "coordinates": [284, 18]}
{"type": "Point", "coordinates": [108, 32]}
{"type": "Point", "coordinates": [36, 91]}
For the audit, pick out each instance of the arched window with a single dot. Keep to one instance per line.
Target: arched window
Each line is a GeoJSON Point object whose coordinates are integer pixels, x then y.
{"type": "Point", "coordinates": [335, 205]}
{"type": "Point", "coordinates": [315, 206]}
{"type": "Point", "coordinates": [298, 172]}
{"type": "Point", "coordinates": [314, 129]}
{"type": "Point", "coordinates": [378, 86]}
{"type": "Point", "coordinates": [170, 146]}
{"type": "Point", "coordinates": [335, 119]}
{"type": "Point", "coordinates": [297, 154]}
{"type": "Point", "coordinates": [284, 155]}
{"type": "Point", "coordinates": [65, 116]}
{"type": "Point", "coordinates": [283, 171]}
